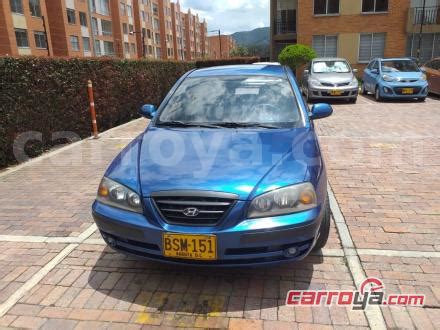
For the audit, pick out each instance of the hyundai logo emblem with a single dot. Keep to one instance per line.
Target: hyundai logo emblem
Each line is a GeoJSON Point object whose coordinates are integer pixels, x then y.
{"type": "Point", "coordinates": [191, 212]}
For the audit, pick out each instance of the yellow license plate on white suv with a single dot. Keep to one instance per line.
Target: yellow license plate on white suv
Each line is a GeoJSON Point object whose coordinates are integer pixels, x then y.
{"type": "Point", "coordinates": [335, 93]}
{"type": "Point", "coordinates": [195, 247]}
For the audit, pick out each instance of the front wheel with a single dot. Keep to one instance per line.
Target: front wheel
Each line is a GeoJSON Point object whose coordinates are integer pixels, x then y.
{"type": "Point", "coordinates": [363, 90]}
{"type": "Point", "coordinates": [421, 99]}
{"type": "Point", "coordinates": [377, 95]}
{"type": "Point", "coordinates": [324, 231]}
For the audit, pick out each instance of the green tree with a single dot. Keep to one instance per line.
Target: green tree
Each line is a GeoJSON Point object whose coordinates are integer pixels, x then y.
{"type": "Point", "coordinates": [296, 55]}
{"type": "Point", "coordinates": [239, 51]}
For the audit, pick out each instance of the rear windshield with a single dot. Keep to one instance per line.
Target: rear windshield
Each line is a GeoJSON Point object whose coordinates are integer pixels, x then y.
{"type": "Point", "coordinates": [234, 99]}
{"type": "Point", "coordinates": [331, 67]}
{"type": "Point", "coordinates": [399, 66]}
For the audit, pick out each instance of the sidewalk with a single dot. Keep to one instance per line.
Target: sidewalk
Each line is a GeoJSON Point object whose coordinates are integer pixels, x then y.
{"type": "Point", "coordinates": [56, 272]}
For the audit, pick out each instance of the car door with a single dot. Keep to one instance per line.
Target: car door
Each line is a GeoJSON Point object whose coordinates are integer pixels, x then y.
{"type": "Point", "coordinates": [369, 77]}
{"type": "Point", "coordinates": [433, 73]}
{"type": "Point", "coordinates": [305, 77]}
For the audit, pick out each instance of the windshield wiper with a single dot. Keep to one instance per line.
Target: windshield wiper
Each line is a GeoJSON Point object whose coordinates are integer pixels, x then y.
{"type": "Point", "coordinates": [183, 124]}
{"type": "Point", "coordinates": [246, 125]}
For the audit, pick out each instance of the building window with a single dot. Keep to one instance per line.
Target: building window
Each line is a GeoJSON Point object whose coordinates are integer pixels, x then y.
{"type": "Point", "coordinates": [40, 39]}
{"type": "Point", "coordinates": [21, 37]}
{"type": "Point", "coordinates": [86, 44]}
{"type": "Point", "coordinates": [372, 45]}
{"type": "Point", "coordinates": [16, 6]}
{"type": "Point", "coordinates": [155, 9]}
{"type": "Point", "coordinates": [106, 27]}
{"type": "Point", "coordinates": [34, 7]}
{"type": "Point", "coordinates": [108, 48]}
{"type": "Point", "coordinates": [130, 28]}
{"type": "Point", "coordinates": [149, 34]}
{"type": "Point", "coordinates": [122, 9]}
{"type": "Point", "coordinates": [125, 28]}
{"type": "Point", "coordinates": [325, 46]}
{"type": "Point", "coordinates": [133, 49]}
{"type": "Point", "coordinates": [374, 6]}
{"type": "Point", "coordinates": [326, 7]}
{"type": "Point", "coordinates": [129, 11]}
{"type": "Point", "coordinates": [429, 48]}
{"type": "Point", "coordinates": [74, 42]}
{"type": "Point", "coordinates": [156, 24]}
{"type": "Point", "coordinates": [157, 38]}
{"type": "Point", "coordinates": [126, 48]}
{"type": "Point", "coordinates": [95, 26]}
{"type": "Point", "coordinates": [82, 18]}
{"type": "Point", "coordinates": [98, 48]}
{"type": "Point", "coordinates": [71, 19]}
{"type": "Point", "coordinates": [101, 7]}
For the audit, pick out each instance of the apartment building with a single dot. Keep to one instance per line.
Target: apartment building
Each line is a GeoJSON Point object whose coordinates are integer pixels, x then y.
{"type": "Point", "coordinates": [23, 28]}
{"type": "Point", "coordinates": [82, 28]}
{"type": "Point", "coordinates": [221, 46]}
{"type": "Point", "coordinates": [358, 30]}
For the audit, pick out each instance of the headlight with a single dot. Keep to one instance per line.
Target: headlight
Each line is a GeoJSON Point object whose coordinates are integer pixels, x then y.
{"type": "Point", "coordinates": [117, 195]}
{"type": "Point", "coordinates": [315, 82]}
{"type": "Point", "coordinates": [287, 200]}
{"type": "Point", "coordinates": [354, 82]}
{"type": "Point", "coordinates": [424, 77]}
{"type": "Point", "coordinates": [388, 78]}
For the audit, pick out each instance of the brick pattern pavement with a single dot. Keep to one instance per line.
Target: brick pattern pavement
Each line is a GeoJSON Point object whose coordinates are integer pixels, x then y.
{"type": "Point", "coordinates": [386, 206]}
{"type": "Point", "coordinates": [384, 168]}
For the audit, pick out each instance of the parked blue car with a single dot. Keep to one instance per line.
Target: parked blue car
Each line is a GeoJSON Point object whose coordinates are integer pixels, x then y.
{"type": "Point", "coordinates": [228, 172]}
{"type": "Point", "coordinates": [395, 78]}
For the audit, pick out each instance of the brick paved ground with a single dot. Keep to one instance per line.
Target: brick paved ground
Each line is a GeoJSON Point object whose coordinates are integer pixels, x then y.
{"type": "Point", "coordinates": [387, 188]}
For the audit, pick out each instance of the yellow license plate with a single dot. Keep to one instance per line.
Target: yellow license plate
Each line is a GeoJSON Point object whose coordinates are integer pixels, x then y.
{"type": "Point", "coordinates": [407, 90]}
{"type": "Point", "coordinates": [335, 93]}
{"type": "Point", "coordinates": [196, 247]}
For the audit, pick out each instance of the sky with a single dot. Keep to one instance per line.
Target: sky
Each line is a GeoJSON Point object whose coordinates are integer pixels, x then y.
{"type": "Point", "coordinates": [231, 15]}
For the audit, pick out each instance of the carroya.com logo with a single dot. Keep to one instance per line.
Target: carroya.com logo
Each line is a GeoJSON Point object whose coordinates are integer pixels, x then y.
{"type": "Point", "coordinates": [371, 293]}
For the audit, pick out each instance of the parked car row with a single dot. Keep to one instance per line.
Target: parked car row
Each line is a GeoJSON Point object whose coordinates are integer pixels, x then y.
{"type": "Point", "coordinates": [386, 78]}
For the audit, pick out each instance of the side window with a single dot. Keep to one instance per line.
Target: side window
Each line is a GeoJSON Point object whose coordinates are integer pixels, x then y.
{"type": "Point", "coordinates": [375, 65]}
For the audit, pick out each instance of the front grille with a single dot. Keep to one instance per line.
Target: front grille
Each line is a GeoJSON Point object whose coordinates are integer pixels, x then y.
{"type": "Point", "coordinates": [335, 85]}
{"type": "Point", "coordinates": [194, 209]}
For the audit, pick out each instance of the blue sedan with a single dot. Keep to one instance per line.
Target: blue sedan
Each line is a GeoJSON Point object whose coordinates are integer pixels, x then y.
{"type": "Point", "coordinates": [228, 172]}
{"type": "Point", "coordinates": [395, 78]}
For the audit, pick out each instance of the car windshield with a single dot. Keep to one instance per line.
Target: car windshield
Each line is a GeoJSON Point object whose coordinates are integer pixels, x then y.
{"type": "Point", "coordinates": [399, 66]}
{"type": "Point", "coordinates": [331, 67]}
{"type": "Point", "coordinates": [233, 100]}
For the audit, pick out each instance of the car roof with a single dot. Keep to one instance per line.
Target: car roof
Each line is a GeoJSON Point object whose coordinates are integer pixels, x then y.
{"type": "Point", "coordinates": [329, 59]}
{"type": "Point", "coordinates": [241, 70]}
{"type": "Point", "coordinates": [395, 59]}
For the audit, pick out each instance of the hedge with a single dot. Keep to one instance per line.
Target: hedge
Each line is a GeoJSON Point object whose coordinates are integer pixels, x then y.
{"type": "Point", "coordinates": [49, 95]}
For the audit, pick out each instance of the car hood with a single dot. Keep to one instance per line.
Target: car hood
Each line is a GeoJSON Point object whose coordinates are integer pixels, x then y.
{"type": "Point", "coordinates": [334, 78]}
{"type": "Point", "coordinates": [246, 162]}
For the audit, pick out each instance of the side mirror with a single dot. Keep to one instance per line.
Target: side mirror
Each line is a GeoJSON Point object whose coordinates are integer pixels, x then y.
{"type": "Point", "coordinates": [355, 70]}
{"type": "Point", "coordinates": [148, 111]}
{"type": "Point", "coordinates": [321, 110]}
{"type": "Point", "coordinates": [306, 71]}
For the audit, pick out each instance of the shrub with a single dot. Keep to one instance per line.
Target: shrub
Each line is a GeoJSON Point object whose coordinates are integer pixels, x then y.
{"type": "Point", "coordinates": [49, 95]}
{"type": "Point", "coordinates": [296, 55]}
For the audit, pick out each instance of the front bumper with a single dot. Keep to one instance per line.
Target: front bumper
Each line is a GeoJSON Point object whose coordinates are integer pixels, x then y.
{"type": "Point", "coordinates": [395, 90]}
{"type": "Point", "coordinates": [324, 92]}
{"type": "Point", "coordinates": [251, 242]}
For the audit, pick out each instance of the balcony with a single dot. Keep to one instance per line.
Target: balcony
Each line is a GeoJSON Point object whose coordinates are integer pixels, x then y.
{"type": "Point", "coordinates": [282, 26]}
{"type": "Point", "coordinates": [430, 17]}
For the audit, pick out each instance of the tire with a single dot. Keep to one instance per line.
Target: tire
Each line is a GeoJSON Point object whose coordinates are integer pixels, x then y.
{"type": "Point", "coordinates": [421, 99]}
{"type": "Point", "coordinates": [324, 230]}
{"type": "Point", "coordinates": [363, 90]}
{"type": "Point", "coordinates": [377, 95]}
{"type": "Point", "coordinates": [352, 100]}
